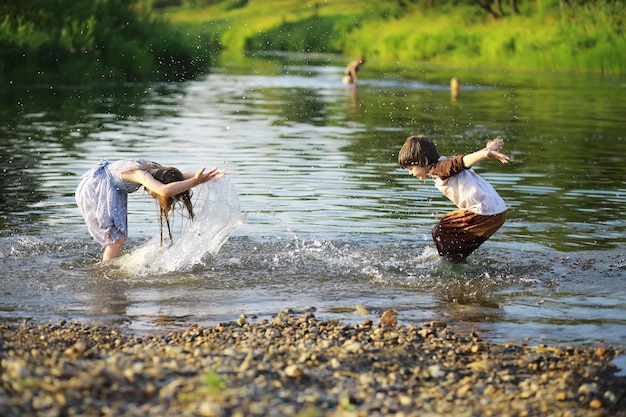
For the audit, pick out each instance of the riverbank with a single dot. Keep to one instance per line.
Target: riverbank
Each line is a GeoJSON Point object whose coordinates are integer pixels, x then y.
{"type": "Point", "coordinates": [114, 40]}
{"type": "Point", "coordinates": [545, 36]}
{"type": "Point", "coordinates": [171, 40]}
{"type": "Point", "coordinates": [295, 364]}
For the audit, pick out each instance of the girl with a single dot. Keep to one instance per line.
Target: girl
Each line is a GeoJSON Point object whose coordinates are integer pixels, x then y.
{"type": "Point", "coordinates": [102, 196]}
{"type": "Point", "coordinates": [481, 210]}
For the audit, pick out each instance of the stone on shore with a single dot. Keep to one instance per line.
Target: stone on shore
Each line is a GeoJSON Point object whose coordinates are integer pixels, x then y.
{"type": "Point", "coordinates": [296, 365]}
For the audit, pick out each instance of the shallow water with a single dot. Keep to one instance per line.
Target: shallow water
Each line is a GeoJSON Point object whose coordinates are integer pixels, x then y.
{"type": "Point", "coordinates": [314, 211]}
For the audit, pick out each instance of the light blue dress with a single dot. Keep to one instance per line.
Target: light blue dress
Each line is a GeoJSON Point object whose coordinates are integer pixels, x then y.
{"type": "Point", "coordinates": [102, 197]}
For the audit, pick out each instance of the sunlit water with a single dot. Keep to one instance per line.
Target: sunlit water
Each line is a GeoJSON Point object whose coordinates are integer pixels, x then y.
{"type": "Point", "coordinates": [314, 211]}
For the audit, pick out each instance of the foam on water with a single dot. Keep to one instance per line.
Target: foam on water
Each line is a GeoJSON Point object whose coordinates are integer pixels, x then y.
{"type": "Point", "coordinates": [217, 214]}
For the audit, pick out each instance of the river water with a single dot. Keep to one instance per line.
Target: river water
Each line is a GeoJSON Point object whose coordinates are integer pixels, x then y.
{"type": "Point", "coordinates": [314, 212]}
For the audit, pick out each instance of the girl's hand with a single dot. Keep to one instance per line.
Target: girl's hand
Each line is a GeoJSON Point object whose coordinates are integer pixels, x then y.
{"type": "Point", "coordinates": [212, 174]}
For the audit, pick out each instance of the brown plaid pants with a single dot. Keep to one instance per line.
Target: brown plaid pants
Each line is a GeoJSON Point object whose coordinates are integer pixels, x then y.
{"type": "Point", "coordinates": [461, 232]}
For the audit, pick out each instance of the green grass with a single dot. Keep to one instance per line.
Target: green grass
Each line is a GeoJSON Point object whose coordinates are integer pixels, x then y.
{"type": "Point", "coordinates": [542, 37]}
{"type": "Point", "coordinates": [97, 39]}
{"type": "Point", "coordinates": [126, 39]}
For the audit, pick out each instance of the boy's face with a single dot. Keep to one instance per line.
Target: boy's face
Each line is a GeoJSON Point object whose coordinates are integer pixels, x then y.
{"type": "Point", "coordinates": [418, 171]}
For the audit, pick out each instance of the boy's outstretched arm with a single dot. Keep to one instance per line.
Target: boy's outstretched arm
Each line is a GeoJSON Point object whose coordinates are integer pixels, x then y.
{"type": "Point", "coordinates": [491, 151]}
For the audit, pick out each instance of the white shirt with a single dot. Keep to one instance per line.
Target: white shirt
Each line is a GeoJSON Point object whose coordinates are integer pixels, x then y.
{"type": "Point", "coordinates": [468, 190]}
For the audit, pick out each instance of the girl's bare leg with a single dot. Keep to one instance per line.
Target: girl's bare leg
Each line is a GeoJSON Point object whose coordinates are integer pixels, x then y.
{"type": "Point", "coordinates": [114, 250]}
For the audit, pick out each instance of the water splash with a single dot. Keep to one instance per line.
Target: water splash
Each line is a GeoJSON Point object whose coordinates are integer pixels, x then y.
{"type": "Point", "coordinates": [216, 206]}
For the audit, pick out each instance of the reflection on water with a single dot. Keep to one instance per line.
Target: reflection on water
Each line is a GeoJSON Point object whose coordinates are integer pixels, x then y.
{"type": "Point", "coordinates": [330, 220]}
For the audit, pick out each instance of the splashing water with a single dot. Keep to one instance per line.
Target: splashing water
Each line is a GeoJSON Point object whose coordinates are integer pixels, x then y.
{"type": "Point", "coordinates": [217, 211]}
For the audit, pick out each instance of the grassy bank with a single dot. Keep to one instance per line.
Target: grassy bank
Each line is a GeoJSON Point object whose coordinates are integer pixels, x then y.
{"type": "Point", "coordinates": [547, 35]}
{"type": "Point", "coordinates": [43, 40]}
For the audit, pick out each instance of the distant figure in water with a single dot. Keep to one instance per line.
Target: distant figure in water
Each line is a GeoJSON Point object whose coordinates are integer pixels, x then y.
{"type": "Point", "coordinates": [455, 87]}
{"type": "Point", "coordinates": [102, 196]}
{"type": "Point", "coordinates": [481, 210]}
{"type": "Point", "coordinates": [351, 70]}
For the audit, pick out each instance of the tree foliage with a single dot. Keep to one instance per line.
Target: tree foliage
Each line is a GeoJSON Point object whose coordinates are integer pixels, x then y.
{"type": "Point", "coordinates": [495, 7]}
{"type": "Point", "coordinates": [107, 38]}
{"type": "Point", "coordinates": [124, 39]}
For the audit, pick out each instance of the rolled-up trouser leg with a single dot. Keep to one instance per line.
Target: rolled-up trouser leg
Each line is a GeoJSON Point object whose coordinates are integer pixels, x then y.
{"type": "Point", "coordinates": [461, 232]}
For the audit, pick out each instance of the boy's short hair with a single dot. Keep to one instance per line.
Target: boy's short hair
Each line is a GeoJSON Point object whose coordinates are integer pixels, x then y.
{"type": "Point", "coordinates": [418, 150]}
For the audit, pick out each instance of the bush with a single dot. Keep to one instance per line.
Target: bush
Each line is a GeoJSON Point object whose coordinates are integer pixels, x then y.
{"type": "Point", "coordinates": [104, 38]}
{"type": "Point", "coordinates": [312, 34]}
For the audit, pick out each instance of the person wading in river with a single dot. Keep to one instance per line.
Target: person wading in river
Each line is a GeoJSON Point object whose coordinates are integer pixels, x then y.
{"type": "Point", "coordinates": [481, 210]}
{"type": "Point", "coordinates": [102, 196]}
{"type": "Point", "coordinates": [353, 67]}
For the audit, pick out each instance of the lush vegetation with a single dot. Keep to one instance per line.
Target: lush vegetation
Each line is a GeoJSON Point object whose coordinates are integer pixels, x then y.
{"type": "Point", "coordinates": [94, 39]}
{"type": "Point", "coordinates": [555, 35]}
{"type": "Point", "coordinates": [177, 39]}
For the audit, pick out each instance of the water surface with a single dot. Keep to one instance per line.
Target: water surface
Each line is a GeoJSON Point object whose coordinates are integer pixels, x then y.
{"type": "Point", "coordinates": [315, 209]}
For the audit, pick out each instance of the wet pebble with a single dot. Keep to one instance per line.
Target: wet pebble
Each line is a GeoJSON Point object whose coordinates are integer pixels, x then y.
{"type": "Point", "coordinates": [294, 364]}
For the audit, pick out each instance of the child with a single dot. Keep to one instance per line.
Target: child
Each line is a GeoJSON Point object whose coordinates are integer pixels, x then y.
{"type": "Point", "coordinates": [102, 196]}
{"type": "Point", "coordinates": [353, 67]}
{"type": "Point", "coordinates": [481, 210]}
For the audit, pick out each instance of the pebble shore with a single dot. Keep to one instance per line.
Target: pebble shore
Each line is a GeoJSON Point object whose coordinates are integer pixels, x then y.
{"type": "Point", "coordinates": [296, 365]}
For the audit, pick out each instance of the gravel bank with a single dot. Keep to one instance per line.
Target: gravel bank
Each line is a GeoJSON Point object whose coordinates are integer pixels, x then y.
{"type": "Point", "coordinates": [296, 365]}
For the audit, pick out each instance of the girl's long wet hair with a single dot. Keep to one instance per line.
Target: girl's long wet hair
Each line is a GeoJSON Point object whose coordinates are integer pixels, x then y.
{"type": "Point", "coordinates": [167, 175]}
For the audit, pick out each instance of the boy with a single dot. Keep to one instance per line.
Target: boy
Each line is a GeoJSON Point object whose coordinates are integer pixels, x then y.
{"type": "Point", "coordinates": [481, 210]}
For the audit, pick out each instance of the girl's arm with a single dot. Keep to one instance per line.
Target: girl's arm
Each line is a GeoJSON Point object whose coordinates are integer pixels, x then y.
{"type": "Point", "coordinates": [144, 178]}
{"type": "Point", "coordinates": [492, 150]}
{"type": "Point", "coordinates": [213, 173]}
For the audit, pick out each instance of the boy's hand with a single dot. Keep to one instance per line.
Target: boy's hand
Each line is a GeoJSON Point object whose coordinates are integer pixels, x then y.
{"type": "Point", "coordinates": [495, 144]}
{"type": "Point", "coordinates": [505, 159]}
{"type": "Point", "coordinates": [493, 150]}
